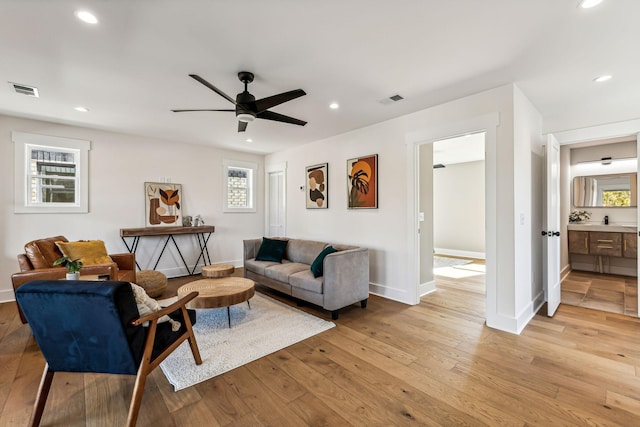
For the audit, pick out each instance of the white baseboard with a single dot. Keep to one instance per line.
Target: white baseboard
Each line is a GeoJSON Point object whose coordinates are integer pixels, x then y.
{"type": "Point", "coordinates": [525, 316]}
{"type": "Point", "coordinates": [394, 294]}
{"type": "Point", "coordinates": [458, 253]}
{"type": "Point", "coordinates": [7, 296]}
{"type": "Point", "coordinates": [426, 288]}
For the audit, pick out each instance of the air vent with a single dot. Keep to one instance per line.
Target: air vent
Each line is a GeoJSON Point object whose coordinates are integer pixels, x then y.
{"type": "Point", "coordinates": [438, 166]}
{"type": "Point", "coordinates": [25, 90]}
{"type": "Point", "coordinates": [391, 99]}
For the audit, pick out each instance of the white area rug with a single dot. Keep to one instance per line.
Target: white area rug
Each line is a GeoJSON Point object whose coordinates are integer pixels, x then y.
{"type": "Point", "coordinates": [442, 261]}
{"type": "Point", "coordinates": [267, 327]}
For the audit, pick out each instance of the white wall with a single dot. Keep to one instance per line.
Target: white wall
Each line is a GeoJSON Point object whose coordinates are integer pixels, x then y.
{"type": "Point", "coordinates": [565, 206]}
{"type": "Point", "coordinates": [427, 227]}
{"type": "Point", "coordinates": [528, 189]}
{"type": "Point", "coordinates": [458, 209]}
{"type": "Point", "coordinates": [118, 166]}
{"type": "Point", "coordinates": [384, 231]}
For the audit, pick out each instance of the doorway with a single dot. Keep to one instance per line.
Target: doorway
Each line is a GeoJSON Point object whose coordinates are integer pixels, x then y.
{"type": "Point", "coordinates": [487, 123]}
{"type": "Point", "coordinates": [275, 218]}
{"type": "Point", "coordinates": [606, 283]}
{"type": "Point", "coordinates": [458, 190]}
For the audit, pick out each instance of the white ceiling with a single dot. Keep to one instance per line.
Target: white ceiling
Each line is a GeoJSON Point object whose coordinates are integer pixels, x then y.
{"type": "Point", "coordinates": [461, 149]}
{"type": "Point", "coordinates": [132, 67]}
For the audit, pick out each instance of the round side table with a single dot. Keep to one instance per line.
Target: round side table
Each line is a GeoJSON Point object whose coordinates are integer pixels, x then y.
{"type": "Point", "coordinates": [217, 271]}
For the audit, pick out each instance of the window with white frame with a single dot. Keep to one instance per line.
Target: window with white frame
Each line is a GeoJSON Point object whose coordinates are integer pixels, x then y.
{"type": "Point", "coordinates": [239, 180]}
{"type": "Point", "coordinates": [51, 174]}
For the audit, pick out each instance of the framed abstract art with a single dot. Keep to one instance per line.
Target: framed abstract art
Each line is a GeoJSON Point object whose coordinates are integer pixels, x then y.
{"type": "Point", "coordinates": [362, 182]}
{"type": "Point", "coordinates": [317, 186]}
{"type": "Point", "coordinates": [162, 204]}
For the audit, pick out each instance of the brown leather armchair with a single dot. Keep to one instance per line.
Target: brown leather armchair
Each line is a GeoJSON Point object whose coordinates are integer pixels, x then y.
{"type": "Point", "coordinates": [37, 264]}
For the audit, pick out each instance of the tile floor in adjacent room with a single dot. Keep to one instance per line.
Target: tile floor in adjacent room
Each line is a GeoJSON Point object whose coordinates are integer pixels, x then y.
{"type": "Point", "coordinates": [606, 292]}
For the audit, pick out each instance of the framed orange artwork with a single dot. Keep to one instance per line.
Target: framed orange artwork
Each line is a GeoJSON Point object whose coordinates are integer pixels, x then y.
{"type": "Point", "coordinates": [362, 182]}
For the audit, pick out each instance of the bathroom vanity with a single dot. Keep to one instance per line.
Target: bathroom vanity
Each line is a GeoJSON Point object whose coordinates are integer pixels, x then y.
{"type": "Point", "coordinates": [604, 248]}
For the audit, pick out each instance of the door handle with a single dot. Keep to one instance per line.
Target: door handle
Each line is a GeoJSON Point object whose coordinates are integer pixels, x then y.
{"type": "Point", "coordinates": [556, 233]}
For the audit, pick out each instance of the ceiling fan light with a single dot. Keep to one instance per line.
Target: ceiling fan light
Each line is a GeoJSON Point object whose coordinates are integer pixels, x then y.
{"type": "Point", "coordinates": [245, 117]}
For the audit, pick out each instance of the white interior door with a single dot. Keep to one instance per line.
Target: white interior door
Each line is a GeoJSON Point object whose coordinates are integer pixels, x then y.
{"type": "Point", "coordinates": [276, 208]}
{"type": "Point", "coordinates": [551, 233]}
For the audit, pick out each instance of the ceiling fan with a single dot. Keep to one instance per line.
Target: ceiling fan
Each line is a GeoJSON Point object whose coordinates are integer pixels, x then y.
{"type": "Point", "coordinates": [248, 108]}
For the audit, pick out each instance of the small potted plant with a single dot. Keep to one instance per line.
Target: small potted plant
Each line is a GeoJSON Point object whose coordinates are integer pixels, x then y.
{"type": "Point", "coordinates": [73, 267]}
{"type": "Point", "coordinates": [579, 216]}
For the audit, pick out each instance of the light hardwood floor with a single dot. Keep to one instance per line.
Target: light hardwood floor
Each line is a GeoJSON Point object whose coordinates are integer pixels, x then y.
{"type": "Point", "coordinates": [435, 363]}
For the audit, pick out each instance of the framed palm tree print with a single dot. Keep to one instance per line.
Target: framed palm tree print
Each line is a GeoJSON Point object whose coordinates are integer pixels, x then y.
{"type": "Point", "coordinates": [362, 182]}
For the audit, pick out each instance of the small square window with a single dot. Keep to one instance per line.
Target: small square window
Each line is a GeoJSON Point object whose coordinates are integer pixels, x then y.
{"type": "Point", "coordinates": [51, 174]}
{"type": "Point", "coordinates": [239, 186]}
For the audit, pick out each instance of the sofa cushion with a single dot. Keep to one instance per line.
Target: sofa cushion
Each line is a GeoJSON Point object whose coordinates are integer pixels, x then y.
{"type": "Point", "coordinates": [258, 267]}
{"type": "Point", "coordinates": [281, 272]}
{"type": "Point", "coordinates": [90, 252]}
{"type": "Point", "coordinates": [317, 267]}
{"type": "Point", "coordinates": [305, 280]}
{"type": "Point", "coordinates": [271, 250]}
{"type": "Point", "coordinates": [304, 251]}
{"type": "Point", "coordinates": [43, 252]}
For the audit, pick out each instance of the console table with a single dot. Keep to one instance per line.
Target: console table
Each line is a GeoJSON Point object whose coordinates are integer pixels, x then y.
{"type": "Point", "coordinates": [202, 233]}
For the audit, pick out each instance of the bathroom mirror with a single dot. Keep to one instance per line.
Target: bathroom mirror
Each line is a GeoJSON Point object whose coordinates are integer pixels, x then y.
{"type": "Point", "coordinates": [610, 191]}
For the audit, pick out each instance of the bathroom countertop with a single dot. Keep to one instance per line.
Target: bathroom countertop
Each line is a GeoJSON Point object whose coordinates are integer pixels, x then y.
{"type": "Point", "coordinates": [614, 228]}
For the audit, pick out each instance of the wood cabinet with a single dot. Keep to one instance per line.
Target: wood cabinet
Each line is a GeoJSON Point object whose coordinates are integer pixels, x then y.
{"type": "Point", "coordinates": [603, 246]}
{"type": "Point", "coordinates": [604, 243]}
{"type": "Point", "coordinates": [579, 242]}
{"type": "Point", "coordinates": [630, 245]}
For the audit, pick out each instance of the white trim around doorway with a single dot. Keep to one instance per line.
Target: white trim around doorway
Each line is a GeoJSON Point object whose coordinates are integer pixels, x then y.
{"type": "Point", "coordinates": [413, 140]}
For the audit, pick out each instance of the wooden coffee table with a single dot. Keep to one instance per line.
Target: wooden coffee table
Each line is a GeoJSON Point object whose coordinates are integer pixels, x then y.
{"type": "Point", "coordinates": [216, 293]}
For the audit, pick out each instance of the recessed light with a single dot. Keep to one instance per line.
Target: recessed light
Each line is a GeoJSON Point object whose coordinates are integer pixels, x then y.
{"type": "Point", "coordinates": [334, 106]}
{"type": "Point", "coordinates": [87, 17]}
{"type": "Point", "coordinates": [248, 140]}
{"type": "Point", "coordinates": [588, 4]}
{"type": "Point", "coordinates": [603, 78]}
{"type": "Point", "coordinates": [82, 109]}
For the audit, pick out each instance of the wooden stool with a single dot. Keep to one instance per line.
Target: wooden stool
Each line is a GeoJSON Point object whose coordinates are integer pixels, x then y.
{"type": "Point", "coordinates": [217, 271]}
{"type": "Point", "coordinates": [153, 282]}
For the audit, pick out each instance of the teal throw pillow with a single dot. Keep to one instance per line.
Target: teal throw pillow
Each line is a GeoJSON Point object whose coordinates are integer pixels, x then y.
{"type": "Point", "coordinates": [317, 267]}
{"type": "Point", "coordinates": [271, 250]}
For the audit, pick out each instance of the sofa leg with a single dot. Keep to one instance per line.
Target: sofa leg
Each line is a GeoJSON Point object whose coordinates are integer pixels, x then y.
{"type": "Point", "coordinates": [335, 314]}
{"type": "Point", "coordinates": [363, 303]}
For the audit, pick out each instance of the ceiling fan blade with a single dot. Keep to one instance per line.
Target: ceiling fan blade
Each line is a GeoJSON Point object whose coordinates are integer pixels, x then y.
{"type": "Point", "coordinates": [213, 88]}
{"type": "Point", "coordinates": [242, 126]}
{"type": "Point", "coordinates": [186, 111]}
{"type": "Point", "coordinates": [271, 101]}
{"type": "Point", "coordinates": [270, 115]}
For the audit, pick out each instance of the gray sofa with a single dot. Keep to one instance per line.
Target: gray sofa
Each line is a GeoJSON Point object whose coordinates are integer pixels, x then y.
{"type": "Point", "coordinates": [345, 280]}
